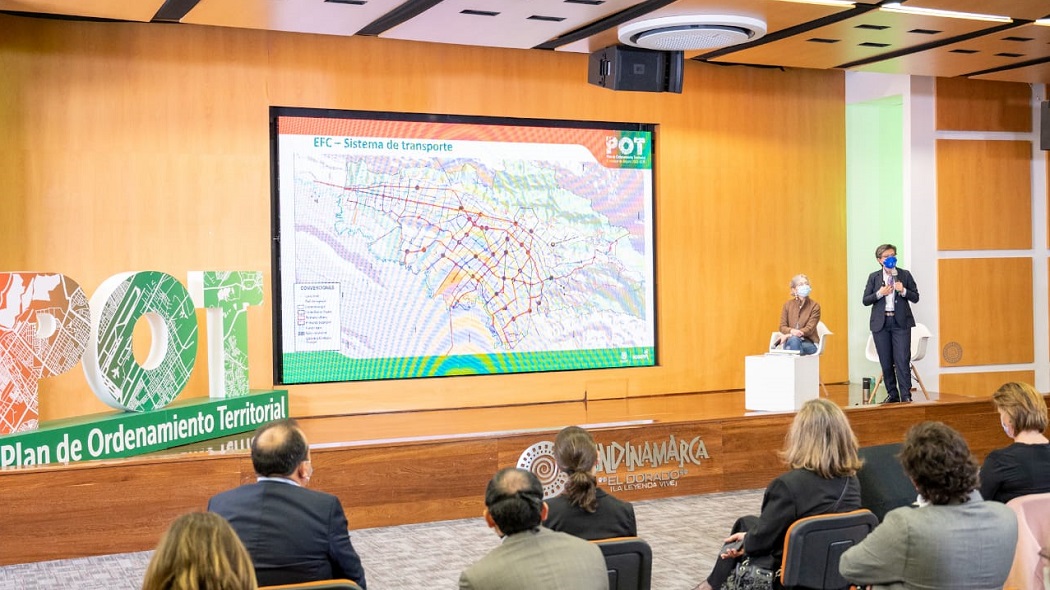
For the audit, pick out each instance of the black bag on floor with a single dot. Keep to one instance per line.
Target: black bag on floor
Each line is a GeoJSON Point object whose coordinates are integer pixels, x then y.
{"type": "Point", "coordinates": [748, 576]}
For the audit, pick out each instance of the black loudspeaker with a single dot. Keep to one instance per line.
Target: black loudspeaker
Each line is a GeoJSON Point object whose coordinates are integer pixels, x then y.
{"type": "Point", "coordinates": [883, 483]}
{"type": "Point", "coordinates": [1044, 125]}
{"type": "Point", "coordinates": [620, 67]}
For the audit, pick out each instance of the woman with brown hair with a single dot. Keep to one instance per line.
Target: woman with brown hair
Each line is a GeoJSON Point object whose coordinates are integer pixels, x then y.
{"type": "Point", "coordinates": [1023, 467]}
{"type": "Point", "coordinates": [583, 509]}
{"type": "Point", "coordinates": [200, 551]}
{"type": "Point", "coordinates": [822, 453]}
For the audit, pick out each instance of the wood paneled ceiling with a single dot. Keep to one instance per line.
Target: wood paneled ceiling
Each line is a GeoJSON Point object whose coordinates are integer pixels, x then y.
{"type": "Point", "coordinates": [862, 35]}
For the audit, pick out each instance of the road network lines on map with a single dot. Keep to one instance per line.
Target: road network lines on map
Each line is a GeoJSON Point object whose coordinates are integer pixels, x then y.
{"type": "Point", "coordinates": [504, 237]}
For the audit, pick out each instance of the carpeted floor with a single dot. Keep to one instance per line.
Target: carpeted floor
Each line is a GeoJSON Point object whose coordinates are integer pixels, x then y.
{"type": "Point", "coordinates": [684, 534]}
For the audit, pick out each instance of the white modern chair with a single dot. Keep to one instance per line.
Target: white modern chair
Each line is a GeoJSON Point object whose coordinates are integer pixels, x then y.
{"type": "Point", "coordinates": [822, 334]}
{"type": "Point", "coordinates": [920, 338]}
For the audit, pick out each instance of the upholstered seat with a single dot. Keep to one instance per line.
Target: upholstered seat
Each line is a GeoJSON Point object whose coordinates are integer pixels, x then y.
{"type": "Point", "coordinates": [629, 561]}
{"type": "Point", "coordinates": [813, 546]}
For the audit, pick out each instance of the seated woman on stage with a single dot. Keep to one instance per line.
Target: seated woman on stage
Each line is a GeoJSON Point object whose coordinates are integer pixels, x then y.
{"type": "Point", "coordinates": [822, 453]}
{"type": "Point", "coordinates": [584, 509]}
{"type": "Point", "coordinates": [1023, 467]}
{"type": "Point", "coordinates": [799, 317]}
{"type": "Point", "coordinates": [953, 541]}
{"type": "Point", "coordinates": [200, 551]}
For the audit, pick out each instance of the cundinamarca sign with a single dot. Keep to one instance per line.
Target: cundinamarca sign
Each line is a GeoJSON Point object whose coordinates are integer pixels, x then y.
{"type": "Point", "coordinates": [47, 326]}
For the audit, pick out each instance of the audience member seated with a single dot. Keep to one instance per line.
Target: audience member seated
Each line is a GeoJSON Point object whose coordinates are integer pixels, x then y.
{"type": "Point", "coordinates": [1023, 467]}
{"type": "Point", "coordinates": [584, 509]}
{"type": "Point", "coordinates": [822, 453]}
{"type": "Point", "coordinates": [799, 318]}
{"type": "Point", "coordinates": [200, 551]}
{"type": "Point", "coordinates": [531, 556]}
{"type": "Point", "coordinates": [883, 483]}
{"type": "Point", "coordinates": [953, 541]}
{"type": "Point", "coordinates": [292, 533]}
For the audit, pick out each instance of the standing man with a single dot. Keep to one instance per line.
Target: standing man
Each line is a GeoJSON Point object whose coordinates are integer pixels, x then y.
{"type": "Point", "coordinates": [531, 556]}
{"type": "Point", "coordinates": [890, 292]}
{"type": "Point", "coordinates": [292, 533]}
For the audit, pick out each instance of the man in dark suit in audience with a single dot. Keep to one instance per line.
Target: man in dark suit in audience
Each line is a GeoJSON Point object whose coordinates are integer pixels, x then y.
{"type": "Point", "coordinates": [293, 534]}
{"type": "Point", "coordinates": [531, 556]}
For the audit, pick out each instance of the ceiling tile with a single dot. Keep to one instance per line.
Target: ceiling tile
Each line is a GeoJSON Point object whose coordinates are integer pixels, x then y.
{"type": "Point", "coordinates": [865, 36]}
{"type": "Point", "coordinates": [503, 23]}
{"type": "Point", "coordinates": [298, 16]}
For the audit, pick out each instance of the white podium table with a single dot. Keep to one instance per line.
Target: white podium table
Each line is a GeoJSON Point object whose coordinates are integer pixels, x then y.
{"type": "Point", "coordinates": [780, 382]}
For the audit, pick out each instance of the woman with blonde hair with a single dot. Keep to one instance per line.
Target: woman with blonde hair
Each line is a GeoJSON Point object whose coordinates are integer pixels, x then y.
{"type": "Point", "coordinates": [1023, 467]}
{"type": "Point", "coordinates": [200, 551]}
{"type": "Point", "coordinates": [583, 509]}
{"type": "Point", "coordinates": [821, 451]}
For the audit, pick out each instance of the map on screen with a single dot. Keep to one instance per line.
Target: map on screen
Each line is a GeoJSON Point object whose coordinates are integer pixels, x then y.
{"type": "Point", "coordinates": [420, 246]}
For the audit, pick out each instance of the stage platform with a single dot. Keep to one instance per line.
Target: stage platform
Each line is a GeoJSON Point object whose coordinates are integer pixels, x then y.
{"type": "Point", "coordinates": [415, 467]}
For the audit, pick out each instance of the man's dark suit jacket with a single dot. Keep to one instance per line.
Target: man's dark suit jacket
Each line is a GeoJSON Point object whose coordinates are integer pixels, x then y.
{"type": "Point", "coordinates": [901, 305]}
{"type": "Point", "coordinates": [293, 534]}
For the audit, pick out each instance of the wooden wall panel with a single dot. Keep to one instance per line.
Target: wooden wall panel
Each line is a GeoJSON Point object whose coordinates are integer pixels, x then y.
{"type": "Point", "coordinates": [13, 228]}
{"type": "Point", "coordinates": [107, 507]}
{"type": "Point", "coordinates": [978, 326]}
{"type": "Point", "coordinates": [978, 422]}
{"type": "Point", "coordinates": [981, 384]}
{"type": "Point", "coordinates": [984, 195]}
{"type": "Point", "coordinates": [146, 147]}
{"type": "Point", "coordinates": [981, 105]}
{"type": "Point", "coordinates": [872, 426]}
{"type": "Point", "coordinates": [430, 479]}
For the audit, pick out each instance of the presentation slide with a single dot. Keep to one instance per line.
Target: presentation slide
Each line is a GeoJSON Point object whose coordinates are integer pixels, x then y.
{"type": "Point", "coordinates": [409, 245]}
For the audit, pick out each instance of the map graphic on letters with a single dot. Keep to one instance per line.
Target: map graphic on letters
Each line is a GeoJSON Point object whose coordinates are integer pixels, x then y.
{"type": "Point", "coordinates": [43, 323]}
{"type": "Point", "coordinates": [416, 258]}
{"type": "Point", "coordinates": [109, 363]}
{"type": "Point", "coordinates": [237, 290]}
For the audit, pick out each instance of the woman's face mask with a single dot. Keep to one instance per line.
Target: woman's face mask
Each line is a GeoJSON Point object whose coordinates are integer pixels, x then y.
{"type": "Point", "coordinates": [803, 290]}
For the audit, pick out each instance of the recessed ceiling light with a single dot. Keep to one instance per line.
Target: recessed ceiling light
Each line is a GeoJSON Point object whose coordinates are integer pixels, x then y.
{"type": "Point", "coordinates": [900, 9]}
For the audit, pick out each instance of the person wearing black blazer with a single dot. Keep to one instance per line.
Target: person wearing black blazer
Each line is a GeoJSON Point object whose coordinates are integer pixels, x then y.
{"type": "Point", "coordinates": [292, 533]}
{"type": "Point", "coordinates": [890, 292]}
{"type": "Point", "coordinates": [821, 451]}
{"type": "Point", "coordinates": [583, 509]}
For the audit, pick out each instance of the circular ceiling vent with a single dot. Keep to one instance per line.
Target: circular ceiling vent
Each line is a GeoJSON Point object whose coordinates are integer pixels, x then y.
{"type": "Point", "coordinates": [690, 32]}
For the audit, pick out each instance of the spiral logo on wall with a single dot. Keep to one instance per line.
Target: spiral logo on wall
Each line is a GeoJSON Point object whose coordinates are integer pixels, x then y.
{"type": "Point", "coordinates": [539, 459]}
{"type": "Point", "coordinates": [952, 352]}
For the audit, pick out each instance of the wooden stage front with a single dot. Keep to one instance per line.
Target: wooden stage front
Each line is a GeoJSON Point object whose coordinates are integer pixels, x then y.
{"type": "Point", "coordinates": [415, 467]}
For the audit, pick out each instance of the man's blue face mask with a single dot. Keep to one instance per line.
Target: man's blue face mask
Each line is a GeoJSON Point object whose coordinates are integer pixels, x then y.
{"type": "Point", "coordinates": [891, 262]}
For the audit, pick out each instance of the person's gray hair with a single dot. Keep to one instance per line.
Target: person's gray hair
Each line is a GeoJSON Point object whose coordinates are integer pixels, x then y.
{"type": "Point", "coordinates": [795, 280]}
